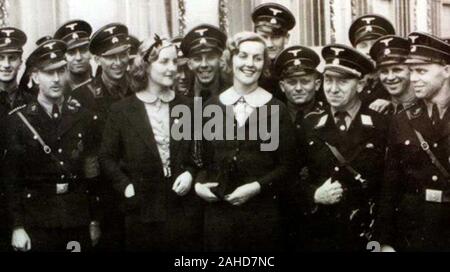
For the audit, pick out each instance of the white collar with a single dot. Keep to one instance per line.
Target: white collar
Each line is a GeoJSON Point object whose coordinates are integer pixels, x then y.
{"type": "Point", "coordinates": [149, 98]}
{"type": "Point", "coordinates": [257, 98]}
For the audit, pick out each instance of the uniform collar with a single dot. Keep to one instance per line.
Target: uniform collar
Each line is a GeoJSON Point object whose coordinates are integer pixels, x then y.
{"type": "Point", "coordinates": [48, 106]}
{"type": "Point", "coordinates": [442, 108]}
{"type": "Point", "coordinates": [352, 112]}
{"type": "Point", "coordinates": [149, 98]}
{"type": "Point", "coordinates": [257, 98]}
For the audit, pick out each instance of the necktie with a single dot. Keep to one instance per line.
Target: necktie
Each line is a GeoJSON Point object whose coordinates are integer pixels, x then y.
{"type": "Point", "coordinates": [340, 120]}
{"type": "Point", "coordinates": [399, 108]}
{"type": "Point", "coordinates": [56, 115]}
{"type": "Point", "coordinates": [435, 118]}
{"type": "Point", "coordinates": [4, 98]}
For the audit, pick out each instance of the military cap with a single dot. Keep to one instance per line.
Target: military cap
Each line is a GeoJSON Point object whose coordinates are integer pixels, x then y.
{"type": "Point", "coordinates": [426, 48]}
{"type": "Point", "coordinates": [296, 61]}
{"type": "Point", "coordinates": [273, 17]}
{"type": "Point", "coordinates": [182, 60]}
{"type": "Point", "coordinates": [109, 40]}
{"type": "Point", "coordinates": [203, 38]}
{"type": "Point", "coordinates": [49, 55]}
{"type": "Point", "coordinates": [134, 43]}
{"type": "Point", "coordinates": [12, 40]}
{"type": "Point", "coordinates": [369, 27]}
{"type": "Point", "coordinates": [74, 33]}
{"type": "Point", "coordinates": [346, 59]}
{"type": "Point", "coordinates": [43, 39]}
{"type": "Point", "coordinates": [390, 49]}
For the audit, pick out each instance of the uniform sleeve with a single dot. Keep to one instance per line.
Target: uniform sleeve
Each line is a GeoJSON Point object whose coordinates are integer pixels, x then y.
{"type": "Point", "coordinates": [390, 189]}
{"type": "Point", "coordinates": [14, 183]}
{"type": "Point", "coordinates": [110, 153]}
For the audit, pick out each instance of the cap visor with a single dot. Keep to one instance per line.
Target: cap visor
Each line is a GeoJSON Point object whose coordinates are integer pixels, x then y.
{"type": "Point", "coordinates": [77, 44]}
{"type": "Point", "coordinates": [117, 50]}
{"type": "Point", "coordinates": [343, 70]}
{"type": "Point", "coordinates": [54, 66]}
{"type": "Point", "coordinates": [11, 50]}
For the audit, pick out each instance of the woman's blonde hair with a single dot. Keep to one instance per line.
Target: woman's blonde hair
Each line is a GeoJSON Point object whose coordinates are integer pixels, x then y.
{"type": "Point", "coordinates": [232, 49]}
{"type": "Point", "coordinates": [148, 53]}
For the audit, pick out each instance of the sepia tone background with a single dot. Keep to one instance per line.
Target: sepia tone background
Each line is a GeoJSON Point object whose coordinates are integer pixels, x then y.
{"type": "Point", "coordinates": [318, 21]}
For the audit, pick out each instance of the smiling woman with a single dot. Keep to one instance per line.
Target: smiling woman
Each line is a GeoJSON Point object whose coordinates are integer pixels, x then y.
{"type": "Point", "coordinates": [240, 178]}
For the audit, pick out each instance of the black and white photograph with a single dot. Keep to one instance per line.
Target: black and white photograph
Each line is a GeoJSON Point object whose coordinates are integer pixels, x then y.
{"type": "Point", "coordinates": [224, 126]}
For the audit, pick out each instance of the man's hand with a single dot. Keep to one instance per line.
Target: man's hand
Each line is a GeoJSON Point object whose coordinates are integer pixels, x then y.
{"type": "Point", "coordinates": [183, 184]}
{"type": "Point", "coordinates": [243, 193]}
{"type": "Point", "coordinates": [204, 191]}
{"type": "Point", "coordinates": [380, 105]}
{"type": "Point", "coordinates": [20, 240]}
{"type": "Point", "coordinates": [95, 232]}
{"type": "Point", "coordinates": [329, 193]}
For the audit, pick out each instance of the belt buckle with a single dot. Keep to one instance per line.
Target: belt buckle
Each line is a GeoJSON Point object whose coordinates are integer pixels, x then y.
{"type": "Point", "coordinates": [62, 188]}
{"type": "Point", "coordinates": [435, 196]}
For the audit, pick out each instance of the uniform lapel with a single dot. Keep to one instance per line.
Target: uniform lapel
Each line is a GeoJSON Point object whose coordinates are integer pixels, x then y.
{"type": "Point", "coordinates": [138, 118]}
{"type": "Point", "coordinates": [421, 122]}
{"type": "Point", "coordinates": [69, 118]}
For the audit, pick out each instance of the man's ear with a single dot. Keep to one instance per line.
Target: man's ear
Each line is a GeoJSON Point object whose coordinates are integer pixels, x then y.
{"type": "Point", "coordinates": [318, 83]}
{"type": "Point", "coordinates": [361, 84]}
{"type": "Point", "coordinates": [189, 63]}
{"type": "Point", "coordinates": [287, 39]}
{"type": "Point", "coordinates": [34, 77]}
{"type": "Point", "coordinates": [446, 71]}
{"type": "Point", "coordinates": [281, 83]}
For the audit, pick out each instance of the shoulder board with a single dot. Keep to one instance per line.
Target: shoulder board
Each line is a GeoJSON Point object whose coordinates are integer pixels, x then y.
{"type": "Point", "coordinates": [17, 109]}
{"type": "Point", "coordinates": [316, 111]}
{"type": "Point", "coordinates": [322, 121]}
{"type": "Point", "coordinates": [366, 120]}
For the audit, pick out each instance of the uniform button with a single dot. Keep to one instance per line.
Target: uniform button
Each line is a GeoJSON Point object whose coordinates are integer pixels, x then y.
{"type": "Point", "coordinates": [61, 163]}
{"type": "Point", "coordinates": [55, 115]}
{"type": "Point", "coordinates": [234, 158]}
{"type": "Point", "coordinates": [369, 91]}
{"type": "Point", "coordinates": [274, 197]}
{"type": "Point", "coordinates": [95, 117]}
{"type": "Point", "coordinates": [80, 135]}
{"type": "Point", "coordinates": [298, 126]}
{"type": "Point", "coordinates": [35, 137]}
{"type": "Point", "coordinates": [59, 138]}
{"type": "Point", "coordinates": [28, 195]}
{"type": "Point", "coordinates": [342, 128]}
{"type": "Point", "coordinates": [434, 178]}
{"type": "Point", "coordinates": [407, 142]}
{"type": "Point", "coordinates": [435, 145]}
{"type": "Point", "coordinates": [60, 150]}
{"type": "Point", "coordinates": [336, 169]}
{"type": "Point", "coordinates": [311, 143]}
{"type": "Point", "coordinates": [63, 177]}
{"type": "Point", "coordinates": [237, 149]}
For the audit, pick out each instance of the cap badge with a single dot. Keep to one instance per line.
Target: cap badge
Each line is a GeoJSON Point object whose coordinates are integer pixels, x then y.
{"type": "Point", "coordinates": [53, 55]}
{"type": "Point", "coordinates": [275, 11]}
{"type": "Point", "coordinates": [337, 51]}
{"type": "Point", "coordinates": [75, 36]}
{"type": "Point", "coordinates": [7, 40]}
{"type": "Point", "coordinates": [202, 31]}
{"type": "Point", "coordinates": [336, 62]}
{"type": "Point", "coordinates": [368, 20]}
{"type": "Point", "coordinates": [115, 40]}
{"type": "Point", "coordinates": [413, 48]}
{"type": "Point", "coordinates": [295, 52]}
{"type": "Point", "coordinates": [387, 52]}
{"type": "Point", "coordinates": [72, 26]}
{"type": "Point", "coordinates": [50, 45]}
{"type": "Point", "coordinates": [387, 41]}
{"type": "Point", "coordinates": [413, 38]}
{"type": "Point", "coordinates": [110, 29]}
{"type": "Point", "coordinates": [203, 41]}
{"type": "Point", "coordinates": [8, 32]}
{"type": "Point", "coordinates": [297, 62]}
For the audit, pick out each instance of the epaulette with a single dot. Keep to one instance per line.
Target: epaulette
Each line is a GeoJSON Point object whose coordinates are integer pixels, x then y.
{"type": "Point", "coordinates": [316, 111]}
{"type": "Point", "coordinates": [16, 109]}
{"type": "Point", "coordinates": [322, 122]}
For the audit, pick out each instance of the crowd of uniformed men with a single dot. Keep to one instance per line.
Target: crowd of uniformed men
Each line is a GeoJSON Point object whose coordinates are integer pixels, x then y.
{"type": "Point", "coordinates": [371, 160]}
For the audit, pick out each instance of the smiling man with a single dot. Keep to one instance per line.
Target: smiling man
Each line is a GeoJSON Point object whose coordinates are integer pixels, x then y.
{"type": "Point", "coordinates": [48, 142]}
{"type": "Point", "coordinates": [76, 34]}
{"type": "Point", "coordinates": [390, 53]}
{"type": "Point", "coordinates": [273, 22]}
{"type": "Point", "coordinates": [344, 149]}
{"type": "Point", "coordinates": [110, 46]}
{"type": "Point", "coordinates": [203, 46]}
{"type": "Point", "coordinates": [415, 211]}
